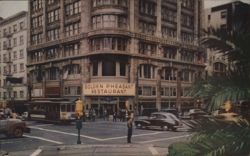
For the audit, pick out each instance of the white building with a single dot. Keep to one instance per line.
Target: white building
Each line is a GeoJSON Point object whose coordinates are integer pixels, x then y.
{"type": "Point", "coordinates": [13, 58]}
{"type": "Point", "coordinates": [225, 17]}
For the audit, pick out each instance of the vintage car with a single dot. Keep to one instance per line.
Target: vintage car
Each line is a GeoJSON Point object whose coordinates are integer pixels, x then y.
{"type": "Point", "coordinates": [13, 127]}
{"type": "Point", "coordinates": [196, 113]}
{"type": "Point", "coordinates": [163, 120]}
{"type": "Point", "coordinates": [171, 110]}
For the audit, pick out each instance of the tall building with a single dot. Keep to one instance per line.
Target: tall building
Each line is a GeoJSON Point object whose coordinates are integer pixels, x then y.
{"type": "Point", "coordinates": [13, 59]}
{"type": "Point", "coordinates": [226, 17]}
{"type": "Point", "coordinates": [145, 52]}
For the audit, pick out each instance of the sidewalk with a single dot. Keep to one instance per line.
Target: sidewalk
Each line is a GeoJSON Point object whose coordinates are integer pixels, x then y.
{"type": "Point", "coordinates": [101, 150]}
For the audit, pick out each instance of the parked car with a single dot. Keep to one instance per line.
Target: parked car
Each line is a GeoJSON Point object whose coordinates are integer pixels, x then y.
{"type": "Point", "coordinates": [165, 121]}
{"type": "Point", "coordinates": [196, 113]}
{"type": "Point", "coordinates": [171, 110]}
{"type": "Point", "coordinates": [13, 127]}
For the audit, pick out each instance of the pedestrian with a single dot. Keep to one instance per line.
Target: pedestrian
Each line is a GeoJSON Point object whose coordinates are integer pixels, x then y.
{"type": "Point", "coordinates": [130, 128]}
{"type": "Point", "coordinates": [105, 114]}
{"type": "Point", "coordinates": [114, 116]}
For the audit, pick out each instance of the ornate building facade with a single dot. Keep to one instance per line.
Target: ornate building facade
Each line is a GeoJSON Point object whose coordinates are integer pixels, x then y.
{"type": "Point", "coordinates": [108, 52]}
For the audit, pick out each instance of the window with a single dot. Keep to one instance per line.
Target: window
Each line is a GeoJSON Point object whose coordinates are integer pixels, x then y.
{"type": "Point", "coordinates": [169, 52]}
{"type": "Point", "coordinates": [109, 21]}
{"type": "Point", "coordinates": [109, 43]}
{"type": "Point", "coordinates": [21, 55]}
{"type": "Point", "coordinates": [52, 53]}
{"type": "Point", "coordinates": [95, 68]}
{"type": "Point", "coordinates": [147, 8]}
{"type": "Point", "coordinates": [14, 55]}
{"type": "Point", "coordinates": [148, 91]}
{"type": "Point", "coordinates": [36, 39]}
{"type": "Point", "coordinates": [21, 25]}
{"type": "Point", "coordinates": [122, 69]}
{"type": "Point", "coordinates": [188, 4]}
{"type": "Point", "coordinates": [14, 68]}
{"type": "Point", "coordinates": [53, 16]}
{"type": "Point", "coordinates": [73, 8]}
{"type": "Point", "coordinates": [21, 67]}
{"type": "Point", "coordinates": [108, 68]}
{"type": "Point", "coordinates": [147, 48]}
{"type": "Point", "coordinates": [71, 50]}
{"type": "Point", "coordinates": [97, 3]}
{"type": "Point", "coordinates": [187, 56]}
{"type": "Point", "coordinates": [14, 42]}
{"type": "Point", "coordinates": [74, 69]}
{"type": "Point", "coordinates": [15, 28]}
{"type": "Point", "coordinates": [209, 17]}
{"type": "Point", "coordinates": [168, 32]}
{"type": "Point", "coordinates": [169, 15]}
{"type": "Point", "coordinates": [21, 94]}
{"type": "Point", "coordinates": [169, 74]}
{"type": "Point", "coordinates": [187, 37]}
{"type": "Point", "coordinates": [72, 29]}
{"type": "Point", "coordinates": [186, 75]}
{"type": "Point", "coordinates": [15, 94]}
{"type": "Point", "coordinates": [53, 74]}
{"type": "Point", "coordinates": [21, 40]}
{"type": "Point", "coordinates": [147, 28]}
{"type": "Point", "coordinates": [72, 90]}
{"type": "Point", "coordinates": [53, 34]}
{"type": "Point", "coordinates": [147, 71]}
{"type": "Point", "coordinates": [187, 21]}
{"type": "Point", "coordinates": [224, 14]}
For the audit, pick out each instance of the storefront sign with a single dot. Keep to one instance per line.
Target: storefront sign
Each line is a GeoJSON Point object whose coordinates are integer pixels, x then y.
{"type": "Point", "coordinates": [109, 89]}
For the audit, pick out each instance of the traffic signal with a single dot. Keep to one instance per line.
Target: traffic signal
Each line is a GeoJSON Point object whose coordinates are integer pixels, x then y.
{"type": "Point", "coordinates": [79, 108]}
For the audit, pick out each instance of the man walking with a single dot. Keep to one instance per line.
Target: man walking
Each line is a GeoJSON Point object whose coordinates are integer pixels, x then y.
{"type": "Point", "coordinates": [130, 127]}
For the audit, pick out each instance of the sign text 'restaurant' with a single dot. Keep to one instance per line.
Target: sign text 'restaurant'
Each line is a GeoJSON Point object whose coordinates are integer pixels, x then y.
{"type": "Point", "coordinates": [109, 89]}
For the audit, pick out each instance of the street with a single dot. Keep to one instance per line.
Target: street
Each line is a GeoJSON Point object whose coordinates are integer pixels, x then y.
{"type": "Point", "coordinates": [98, 132]}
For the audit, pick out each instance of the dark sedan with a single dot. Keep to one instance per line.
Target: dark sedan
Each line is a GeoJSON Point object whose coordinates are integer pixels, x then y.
{"type": "Point", "coordinates": [163, 120]}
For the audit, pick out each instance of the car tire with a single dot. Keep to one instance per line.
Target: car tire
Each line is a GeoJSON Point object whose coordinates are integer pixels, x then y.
{"type": "Point", "coordinates": [17, 132]}
{"type": "Point", "coordinates": [164, 128]}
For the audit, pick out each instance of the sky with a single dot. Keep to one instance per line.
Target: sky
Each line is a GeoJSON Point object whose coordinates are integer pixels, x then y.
{"type": "Point", "coordinates": [11, 7]}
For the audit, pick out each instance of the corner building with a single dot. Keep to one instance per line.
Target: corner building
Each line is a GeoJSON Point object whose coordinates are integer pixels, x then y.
{"type": "Point", "coordinates": [108, 52]}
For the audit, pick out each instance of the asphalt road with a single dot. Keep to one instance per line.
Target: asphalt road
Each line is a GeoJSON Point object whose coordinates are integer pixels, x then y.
{"type": "Point", "coordinates": [98, 132]}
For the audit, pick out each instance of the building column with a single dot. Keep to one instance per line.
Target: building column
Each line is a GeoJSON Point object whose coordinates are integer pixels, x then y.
{"type": "Point", "coordinates": [117, 69]}
{"type": "Point", "coordinates": [158, 89]}
{"type": "Point", "coordinates": [158, 24]}
{"type": "Point", "coordinates": [178, 90]}
{"type": "Point", "coordinates": [196, 21]}
{"type": "Point", "coordinates": [62, 12]}
{"type": "Point", "coordinates": [44, 21]}
{"type": "Point", "coordinates": [179, 20]}
{"type": "Point", "coordinates": [85, 15]}
{"type": "Point", "coordinates": [99, 70]}
{"type": "Point", "coordinates": [132, 15]}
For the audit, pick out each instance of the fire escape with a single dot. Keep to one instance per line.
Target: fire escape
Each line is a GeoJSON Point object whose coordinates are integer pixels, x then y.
{"type": "Point", "coordinates": [8, 63]}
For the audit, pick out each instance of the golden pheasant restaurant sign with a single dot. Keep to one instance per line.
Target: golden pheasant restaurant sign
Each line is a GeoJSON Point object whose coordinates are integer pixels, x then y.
{"type": "Point", "coordinates": [109, 89]}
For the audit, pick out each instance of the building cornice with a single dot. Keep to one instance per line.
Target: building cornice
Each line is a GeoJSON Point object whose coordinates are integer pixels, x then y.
{"type": "Point", "coordinates": [13, 18]}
